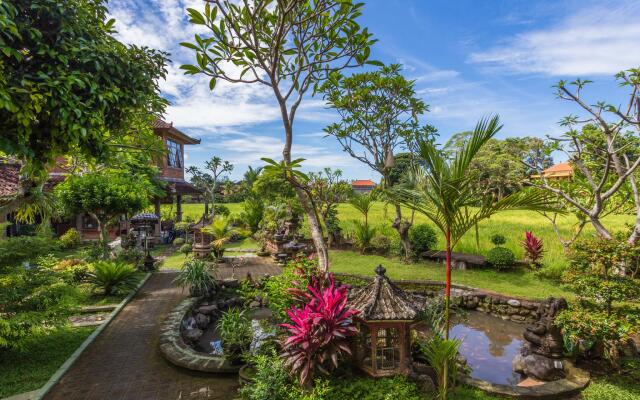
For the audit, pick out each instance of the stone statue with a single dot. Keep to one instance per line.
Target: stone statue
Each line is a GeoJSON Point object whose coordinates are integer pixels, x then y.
{"type": "Point", "coordinates": [541, 354]}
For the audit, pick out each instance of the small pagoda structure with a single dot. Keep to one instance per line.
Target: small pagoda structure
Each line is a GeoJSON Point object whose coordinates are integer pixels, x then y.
{"type": "Point", "coordinates": [387, 314]}
{"type": "Point", "coordinates": [201, 240]}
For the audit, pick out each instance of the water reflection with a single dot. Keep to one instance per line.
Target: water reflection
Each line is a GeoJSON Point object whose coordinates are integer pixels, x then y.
{"type": "Point", "coordinates": [489, 345]}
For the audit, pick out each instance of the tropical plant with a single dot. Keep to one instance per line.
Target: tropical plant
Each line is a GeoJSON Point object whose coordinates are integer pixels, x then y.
{"type": "Point", "coordinates": [290, 47]}
{"type": "Point", "coordinates": [533, 248]}
{"type": "Point", "coordinates": [442, 355]}
{"type": "Point", "coordinates": [363, 235]}
{"type": "Point", "coordinates": [198, 276]}
{"type": "Point", "coordinates": [446, 198]}
{"type": "Point", "coordinates": [500, 257]}
{"type": "Point", "coordinates": [381, 243]}
{"type": "Point", "coordinates": [319, 331]}
{"type": "Point", "coordinates": [252, 213]}
{"type": "Point", "coordinates": [423, 238]}
{"type": "Point", "coordinates": [70, 239]}
{"type": "Point", "coordinates": [497, 239]}
{"type": "Point", "coordinates": [112, 277]}
{"type": "Point", "coordinates": [186, 249]}
{"type": "Point", "coordinates": [364, 203]}
{"type": "Point", "coordinates": [222, 232]}
{"type": "Point", "coordinates": [236, 333]}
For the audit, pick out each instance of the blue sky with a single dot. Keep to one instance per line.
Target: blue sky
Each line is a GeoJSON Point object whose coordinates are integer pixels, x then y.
{"type": "Point", "coordinates": [469, 59]}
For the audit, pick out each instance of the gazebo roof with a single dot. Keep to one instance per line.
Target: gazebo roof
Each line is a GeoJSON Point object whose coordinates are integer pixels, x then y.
{"type": "Point", "coordinates": [144, 217]}
{"type": "Point", "coordinates": [381, 300]}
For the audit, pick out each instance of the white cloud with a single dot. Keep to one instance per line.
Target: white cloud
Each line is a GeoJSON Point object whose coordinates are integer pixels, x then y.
{"type": "Point", "coordinates": [598, 40]}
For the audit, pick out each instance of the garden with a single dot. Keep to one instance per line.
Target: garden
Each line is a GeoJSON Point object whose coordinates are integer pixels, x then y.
{"type": "Point", "coordinates": [469, 270]}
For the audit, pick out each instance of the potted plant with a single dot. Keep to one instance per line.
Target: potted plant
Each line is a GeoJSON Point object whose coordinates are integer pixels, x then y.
{"type": "Point", "coordinates": [198, 276]}
{"type": "Point", "coordinates": [236, 334]}
{"type": "Point", "coordinates": [222, 232]}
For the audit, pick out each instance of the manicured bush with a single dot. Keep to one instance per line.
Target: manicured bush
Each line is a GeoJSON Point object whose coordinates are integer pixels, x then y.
{"type": "Point", "coordinates": [500, 257]}
{"type": "Point", "coordinates": [16, 250]}
{"type": "Point", "coordinates": [70, 239]}
{"type": "Point", "coordinates": [112, 277]}
{"type": "Point", "coordinates": [236, 334]}
{"type": "Point", "coordinates": [422, 238]}
{"type": "Point", "coordinates": [197, 275]}
{"type": "Point", "coordinates": [186, 249]}
{"type": "Point", "coordinates": [381, 244]}
{"type": "Point", "coordinates": [178, 241]}
{"type": "Point", "coordinates": [497, 239]}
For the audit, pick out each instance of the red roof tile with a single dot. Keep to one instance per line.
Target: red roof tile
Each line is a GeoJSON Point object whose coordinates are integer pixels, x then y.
{"type": "Point", "coordinates": [363, 182]}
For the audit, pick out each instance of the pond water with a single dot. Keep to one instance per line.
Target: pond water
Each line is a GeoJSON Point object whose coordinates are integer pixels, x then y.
{"type": "Point", "coordinates": [489, 345]}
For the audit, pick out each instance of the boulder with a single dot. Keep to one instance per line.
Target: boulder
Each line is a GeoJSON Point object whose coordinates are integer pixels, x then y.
{"type": "Point", "coordinates": [254, 304]}
{"type": "Point", "coordinates": [192, 335]}
{"type": "Point", "coordinates": [539, 367]}
{"type": "Point", "coordinates": [514, 303]}
{"type": "Point", "coordinates": [202, 320]}
{"type": "Point", "coordinates": [208, 309]}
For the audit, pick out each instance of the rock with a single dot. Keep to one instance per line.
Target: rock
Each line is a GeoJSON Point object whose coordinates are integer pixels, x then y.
{"type": "Point", "coordinates": [523, 312]}
{"type": "Point", "coordinates": [512, 310]}
{"type": "Point", "coordinates": [540, 367]}
{"type": "Point", "coordinates": [202, 320]}
{"type": "Point", "coordinates": [254, 304]}
{"type": "Point", "coordinates": [208, 309]}
{"type": "Point", "coordinates": [513, 303]}
{"type": "Point", "coordinates": [529, 305]}
{"type": "Point", "coordinates": [518, 364]}
{"type": "Point", "coordinates": [231, 283]}
{"type": "Point", "coordinates": [517, 318]}
{"type": "Point", "coordinates": [425, 383]}
{"type": "Point", "coordinates": [192, 335]}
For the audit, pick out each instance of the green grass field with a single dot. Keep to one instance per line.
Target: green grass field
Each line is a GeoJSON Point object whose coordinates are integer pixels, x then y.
{"type": "Point", "coordinates": [511, 224]}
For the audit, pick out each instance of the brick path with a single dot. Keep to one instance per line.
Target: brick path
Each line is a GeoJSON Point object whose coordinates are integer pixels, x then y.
{"type": "Point", "coordinates": [124, 362]}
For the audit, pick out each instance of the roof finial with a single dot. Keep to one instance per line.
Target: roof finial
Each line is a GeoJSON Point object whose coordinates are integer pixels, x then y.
{"type": "Point", "coordinates": [380, 270]}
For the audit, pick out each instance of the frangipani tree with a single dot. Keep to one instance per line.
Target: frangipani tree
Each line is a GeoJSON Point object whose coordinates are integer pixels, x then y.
{"type": "Point", "coordinates": [290, 47]}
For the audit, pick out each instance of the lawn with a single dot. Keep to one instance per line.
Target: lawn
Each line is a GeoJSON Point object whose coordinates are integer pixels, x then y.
{"type": "Point", "coordinates": [27, 370]}
{"type": "Point", "coordinates": [520, 283]}
{"type": "Point", "coordinates": [511, 224]}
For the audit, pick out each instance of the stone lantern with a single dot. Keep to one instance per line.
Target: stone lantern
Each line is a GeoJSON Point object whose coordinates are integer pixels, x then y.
{"type": "Point", "coordinates": [387, 313]}
{"type": "Point", "coordinates": [202, 241]}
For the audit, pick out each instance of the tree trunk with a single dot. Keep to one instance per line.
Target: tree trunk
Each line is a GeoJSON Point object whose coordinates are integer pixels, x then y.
{"type": "Point", "coordinates": [206, 207]}
{"type": "Point", "coordinates": [316, 231]}
{"type": "Point", "coordinates": [600, 229]}
{"type": "Point", "coordinates": [403, 231]}
{"type": "Point", "coordinates": [447, 301]}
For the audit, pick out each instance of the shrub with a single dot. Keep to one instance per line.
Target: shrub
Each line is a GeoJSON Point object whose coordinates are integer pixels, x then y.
{"type": "Point", "coordinates": [178, 241]}
{"type": "Point", "coordinates": [283, 291]}
{"type": "Point", "coordinates": [319, 331]}
{"type": "Point", "coordinates": [363, 234]}
{"type": "Point", "coordinates": [252, 213]}
{"type": "Point", "coordinates": [442, 355]}
{"type": "Point", "coordinates": [113, 277]}
{"type": "Point", "coordinates": [501, 258]}
{"type": "Point", "coordinates": [236, 333]}
{"type": "Point", "coordinates": [219, 209]}
{"type": "Point", "coordinates": [15, 250]}
{"type": "Point", "coordinates": [422, 238]}
{"type": "Point", "coordinates": [185, 249]}
{"type": "Point", "coordinates": [130, 255]}
{"type": "Point", "coordinates": [365, 388]}
{"type": "Point", "coordinates": [197, 275]}
{"type": "Point", "coordinates": [533, 248]}
{"type": "Point", "coordinates": [70, 239]}
{"type": "Point", "coordinates": [497, 239]}
{"type": "Point", "coordinates": [381, 243]}
{"type": "Point", "coordinates": [181, 226]}
{"type": "Point", "coordinates": [72, 270]}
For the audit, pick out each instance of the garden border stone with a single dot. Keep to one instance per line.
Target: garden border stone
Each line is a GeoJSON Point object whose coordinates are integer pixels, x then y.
{"type": "Point", "coordinates": [176, 351]}
{"type": "Point", "coordinates": [76, 354]}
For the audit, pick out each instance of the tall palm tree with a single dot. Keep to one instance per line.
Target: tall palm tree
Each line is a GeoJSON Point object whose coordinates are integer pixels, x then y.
{"type": "Point", "coordinates": [447, 199]}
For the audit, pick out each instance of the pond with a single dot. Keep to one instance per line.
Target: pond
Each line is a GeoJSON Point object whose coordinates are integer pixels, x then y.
{"type": "Point", "coordinates": [209, 342]}
{"type": "Point", "coordinates": [489, 345]}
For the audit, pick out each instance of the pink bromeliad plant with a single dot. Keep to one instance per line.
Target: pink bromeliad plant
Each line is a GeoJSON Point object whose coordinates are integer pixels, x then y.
{"type": "Point", "coordinates": [319, 331]}
{"type": "Point", "coordinates": [533, 247]}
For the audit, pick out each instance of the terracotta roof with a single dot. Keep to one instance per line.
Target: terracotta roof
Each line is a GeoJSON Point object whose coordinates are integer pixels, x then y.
{"type": "Point", "coordinates": [9, 177]}
{"type": "Point", "coordinates": [363, 182]}
{"type": "Point", "coordinates": [162, 125]}
{"type": "Point", "coordinates": [381, 300]}
{"type": "Point", "coordinates": [562, 167]}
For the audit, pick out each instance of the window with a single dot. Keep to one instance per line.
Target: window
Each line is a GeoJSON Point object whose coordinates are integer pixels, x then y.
{"type": "Point", "coordinates": [174, 158]}
{"type": "Point", "coordinates": [387, 349]}
{"type": "Point", "coordinates": [88, 222]}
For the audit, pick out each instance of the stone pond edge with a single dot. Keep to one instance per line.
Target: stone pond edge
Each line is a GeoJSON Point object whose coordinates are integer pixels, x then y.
{"type": "Point", "coordinates": [176, 351]}
{"type": "Point", "coordinates": [55, 378]}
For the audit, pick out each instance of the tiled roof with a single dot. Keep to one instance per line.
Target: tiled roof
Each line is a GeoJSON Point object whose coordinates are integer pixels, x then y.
{"type": "Point", "coordinates": [562, 167]}
{"type": "Point", "coordinates": [9, 179]}
{"type": "Point", "coordinates": [381, 300]}
{"type": "Point", "coordinates": [163, 125]}
{"type": "Point", "coordinates": [363, 182]}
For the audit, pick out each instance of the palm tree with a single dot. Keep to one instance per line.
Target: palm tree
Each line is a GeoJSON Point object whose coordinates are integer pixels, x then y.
{"type": "Point", "coordinates": [446, 197]}
{"type": "Point", "coordinates": [222, 232]}
{"type": "Point", "coordinates": [363, 203]}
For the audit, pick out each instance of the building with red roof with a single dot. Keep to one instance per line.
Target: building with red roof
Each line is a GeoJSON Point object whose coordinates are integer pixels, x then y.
{"type": "Point", "coordinates": [363, 186]}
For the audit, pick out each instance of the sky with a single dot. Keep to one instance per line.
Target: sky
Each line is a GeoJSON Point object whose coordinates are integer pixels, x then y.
{"type": "Point", "coordinates": [468, 58]}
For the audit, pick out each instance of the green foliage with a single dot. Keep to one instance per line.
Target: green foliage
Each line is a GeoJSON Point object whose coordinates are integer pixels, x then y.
{"type": "Point", "coordinates": [198, 276]}
{"type": "Point", "coordinates": [381, 244]}
{"type": "Point", "coordinates": [423, 238]}
{"type": "Point", "coordinates": [397, 387]}
{"type": "Point", "coordinates": [72, 270]}
{"type": "Point", "coordinates": [222, 232]}
{"type": "Point", "coordinates": [182, 226]}
{"type": "Point", "coordinates": [363, 234]}
{"type": "Point", "coordinates": [51, 106]}
{"type": "Point", "coordinates": [295, 275]}
{"type": "Point", "coordinates": [442, 355]}
{"type": "Point", "coordinates": [497, 239]}
{"type": "Point", "coordinates": [179, 241]}
{"type": "Point", "coordinates": [252, 213]}
{"type": "Point", "coordinates": [236, 332]}
{"type": "Point", "coordinates": [131, 255]}
{"type": "Point", "coordinates": [31, 301]}
{"type": "Point", "coordinates": [186, 249]}
{"type": "Point", "coordinates": [501, 258]}
{"type": "Point", "coordinates": [15, 250]}
{"type": "Point", "coordinates": [70, 239]}
{"type": "Point", "coordinates": [113, 277]}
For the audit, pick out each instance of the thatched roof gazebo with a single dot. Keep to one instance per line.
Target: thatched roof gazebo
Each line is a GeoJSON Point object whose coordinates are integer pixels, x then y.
{"type": "Point", "coordinates": [383, 348]}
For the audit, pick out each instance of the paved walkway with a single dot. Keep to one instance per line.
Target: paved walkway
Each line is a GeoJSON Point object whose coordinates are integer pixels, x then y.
{"type": "Point", "coordinates": [124, 362]}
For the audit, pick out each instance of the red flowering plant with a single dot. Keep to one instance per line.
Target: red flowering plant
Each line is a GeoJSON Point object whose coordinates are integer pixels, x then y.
{"type": "Point", "coordinates": [533, 248]}
{"type": "Point", "coordinates": [319, 330]}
